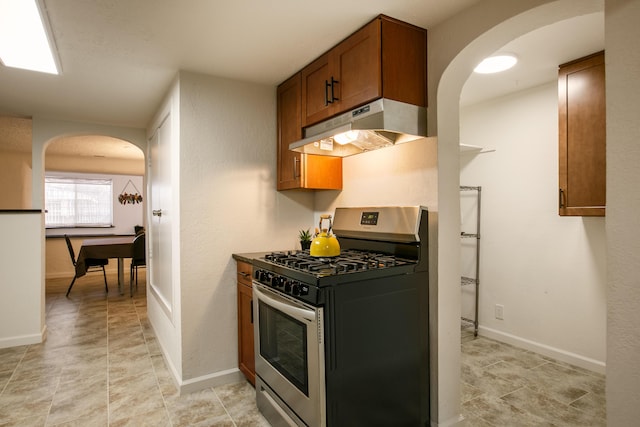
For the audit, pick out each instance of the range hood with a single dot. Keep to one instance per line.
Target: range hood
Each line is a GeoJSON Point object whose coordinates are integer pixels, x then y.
{"type": "Point", "coordinates": [379, 124]}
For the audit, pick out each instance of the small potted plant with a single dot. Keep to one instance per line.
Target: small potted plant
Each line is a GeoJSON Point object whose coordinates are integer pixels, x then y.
{"type": "Point", "coordinates": [305, 239]}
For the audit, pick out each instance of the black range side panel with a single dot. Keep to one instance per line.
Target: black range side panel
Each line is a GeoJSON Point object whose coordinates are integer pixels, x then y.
{"type": "Point", "coordinates": [377, 364]}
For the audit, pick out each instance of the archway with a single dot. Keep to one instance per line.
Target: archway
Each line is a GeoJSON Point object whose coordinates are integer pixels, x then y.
{"type": "Point", "coordinates": [111, 161]}
{"type": "Point", "coordinates": [47, 130]}
{"type": "Point", "coordinates": [43, 132]}
{"type": "Point", "coordinates": [462, 51]}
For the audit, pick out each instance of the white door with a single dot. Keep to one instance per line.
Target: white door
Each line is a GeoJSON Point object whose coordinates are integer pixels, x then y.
{"type": "Point", "coordinates": [160, 224]}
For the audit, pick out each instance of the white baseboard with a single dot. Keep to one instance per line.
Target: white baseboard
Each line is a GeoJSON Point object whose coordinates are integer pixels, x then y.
{"type": "Point", "coordinates": [206, 381]}
{"type": "Point", "coordinates": [214, 379]}
{"type": "Point", "coordinates": [211, 380]}
{"type": "Point", "coordinates": [453, 422]}
{"type": "Point", "coordinates": [545, 350]}
{"type": "Point", "coordinates": [22, 340]}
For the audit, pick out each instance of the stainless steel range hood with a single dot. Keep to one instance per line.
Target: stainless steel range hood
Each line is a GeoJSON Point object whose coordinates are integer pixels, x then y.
{"type": "Point", "coordinates": [379, 124]}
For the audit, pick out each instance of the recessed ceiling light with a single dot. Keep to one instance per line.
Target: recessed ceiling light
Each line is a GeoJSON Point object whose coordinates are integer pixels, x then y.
{"type": "Point", "coordinates": [495, 64]}
{"type": "Point", "coordinates": [24, 42]}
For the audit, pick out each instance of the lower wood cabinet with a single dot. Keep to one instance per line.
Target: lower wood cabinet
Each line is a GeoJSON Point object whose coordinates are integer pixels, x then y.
{"type": "Point", "coordinates": [246, 357]}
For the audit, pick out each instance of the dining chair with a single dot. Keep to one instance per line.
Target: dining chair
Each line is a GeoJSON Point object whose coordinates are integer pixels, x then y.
{"type": "Point", "coordinates": [139, 259]}
{"type": "Point", "coordinates": [93, 264]}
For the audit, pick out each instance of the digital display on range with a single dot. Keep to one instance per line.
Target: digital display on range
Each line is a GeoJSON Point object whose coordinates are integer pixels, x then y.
{"type": "Point", "coordinates": [369, 218]}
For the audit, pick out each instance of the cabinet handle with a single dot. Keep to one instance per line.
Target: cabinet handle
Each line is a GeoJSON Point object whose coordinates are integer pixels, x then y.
{"type": "Point", "coordinates": [330, 84]}
{"type": "Point", "coordinates": [251, 302]}
{"type": "Point", "coordinates": [244, 274]}
{"type": "Point", "coordinates": [561, 198]}
{"type": "Point", "coordinates": [296, 168]}
{"type": "Point", "coordinates": [156, 212]}
{"type": "Point", "coordinates": [326, 93]}
{"type": "Point", "coordinates": [333, 97]}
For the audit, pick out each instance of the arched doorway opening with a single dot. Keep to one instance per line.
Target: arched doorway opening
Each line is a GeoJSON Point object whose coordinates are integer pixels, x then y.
{"type": "Point", "coordinates": [110, 162]}
{"type": "Point", "coordinates": [43, 132]}
{"type": "Point", "coordinates": [466, 50]}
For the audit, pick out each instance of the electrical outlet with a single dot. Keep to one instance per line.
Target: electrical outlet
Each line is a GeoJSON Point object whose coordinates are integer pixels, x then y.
{"type": "Point", "coordinates": [499, 311]}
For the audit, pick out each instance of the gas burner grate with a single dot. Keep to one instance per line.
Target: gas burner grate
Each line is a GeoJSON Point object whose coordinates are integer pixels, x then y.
{"type": "Point", "coordinates": [348, 261]}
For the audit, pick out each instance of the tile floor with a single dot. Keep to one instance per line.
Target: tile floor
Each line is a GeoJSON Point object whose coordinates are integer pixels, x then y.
{"type": "Point", "coordinates": [506, 386]}
{"type": "Point", "coordinates": [101, 366]}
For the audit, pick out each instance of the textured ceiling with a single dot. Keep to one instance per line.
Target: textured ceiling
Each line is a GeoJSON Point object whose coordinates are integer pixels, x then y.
{"type": "Point", "coordinates": [15, 133]}
{"type": "Point", "coordinates": [119, 56]}
{"type": "Point", "coordinates": [94, 146]}
{"type": "Point", "coordinates": [539, 54]}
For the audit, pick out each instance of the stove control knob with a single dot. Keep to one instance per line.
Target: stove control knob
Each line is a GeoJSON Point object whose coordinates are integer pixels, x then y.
{"type": "Point", "coordinates": [295, 289]}
{"type": "Point", "coordinates": [265, 277]}
{"type": "Point", "coordinates": [278, 281]}
{"type": "Point", "coordinates": [259, 275]}
{"type": "Point", "coordinates": [304, 290]}
{"type": "Point", "coordinates": [287, 286]}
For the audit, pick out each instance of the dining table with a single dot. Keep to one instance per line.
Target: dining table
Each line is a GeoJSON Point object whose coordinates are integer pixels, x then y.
{"type": "Point", "coordinates": [119, 247]}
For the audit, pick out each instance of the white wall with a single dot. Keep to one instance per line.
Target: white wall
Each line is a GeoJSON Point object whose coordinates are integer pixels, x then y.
{"type": "Point", "coordinates": [454, 48]}
{"type": "Point", "coordinates": [546, 270]}
{"type": "Point", "coordinates": [228, 204]}
{"type": "Point", "coordinates": [163, 265]}
{"type": "Point", "coordinates": [21, 279]}
{"type": "Point", "coordinates": [405, 175]}
{"type": "Point", "coordinates": [622, 33]}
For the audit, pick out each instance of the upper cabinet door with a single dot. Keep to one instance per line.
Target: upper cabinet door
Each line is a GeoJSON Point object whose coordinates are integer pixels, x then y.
{"type": "Point", "coordinates": [582, 137]}
{"type": "Point", "coordinates": [297, 170]}
{"type": "Point", "coordinates": [315, 92]}
{"type": "Point", "coordinates": [356, 69]}
{"type": "Point", "coordinates": [343, 78]}
{"type": "Point", "coordinates": [404, 62]}
{"type": "Point", "coordinates": [385, 58]}
{"type": "Point", "coordinates": [289, 130]}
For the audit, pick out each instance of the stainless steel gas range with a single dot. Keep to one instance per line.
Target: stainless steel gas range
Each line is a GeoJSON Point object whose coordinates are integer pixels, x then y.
{"type": "Point", "coordinates": [343, 341]}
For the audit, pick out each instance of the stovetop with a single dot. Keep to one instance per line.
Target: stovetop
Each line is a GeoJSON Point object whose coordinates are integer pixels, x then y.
{"type": "Point", "coordinates": [301, 276]}
{"type": "Point", "coordinates": [348, 261]}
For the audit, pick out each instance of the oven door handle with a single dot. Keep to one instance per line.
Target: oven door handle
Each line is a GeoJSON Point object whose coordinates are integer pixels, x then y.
{"type": "Point", "coordinates": [284, 305]}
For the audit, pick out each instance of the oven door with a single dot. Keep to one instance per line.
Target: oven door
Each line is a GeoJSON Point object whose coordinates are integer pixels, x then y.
{"type": "Point", "coordinates": [289, 343]}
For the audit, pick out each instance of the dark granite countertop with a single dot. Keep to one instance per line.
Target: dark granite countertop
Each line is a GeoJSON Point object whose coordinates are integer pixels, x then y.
{"type": "Point", "coordinates": [249, 256]}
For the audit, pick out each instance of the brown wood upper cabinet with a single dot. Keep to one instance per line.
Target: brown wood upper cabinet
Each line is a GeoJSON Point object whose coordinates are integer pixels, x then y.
{"type": "Point", "coordinates": [297, 170]}
{"type": "Point", "coordinates": [385, 58]}
{"type": "Point", "coordinates": [582, 137]}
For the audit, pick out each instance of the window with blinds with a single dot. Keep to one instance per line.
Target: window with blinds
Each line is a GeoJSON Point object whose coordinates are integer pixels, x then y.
{"type": "Point", "coordinates": [78, 202]}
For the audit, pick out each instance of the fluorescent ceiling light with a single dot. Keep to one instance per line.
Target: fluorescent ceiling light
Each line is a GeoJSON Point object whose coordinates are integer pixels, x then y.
{"type": "Point", "coordinates": [495, 64]}
{"type": "Point", "coordinates": [23, 36]}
